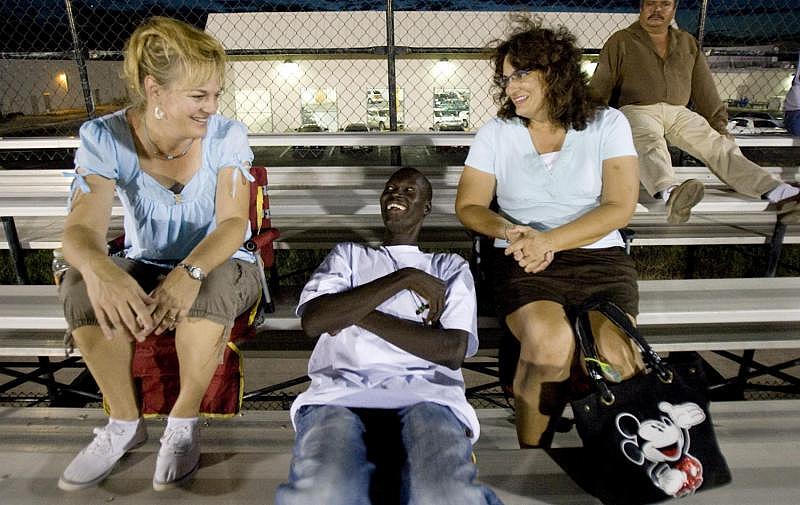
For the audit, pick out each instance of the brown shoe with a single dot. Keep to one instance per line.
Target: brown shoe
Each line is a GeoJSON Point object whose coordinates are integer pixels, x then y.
{"type": "Point", "coordinates": [789, 210]}
{"type": "Point", "coordinates": [682, 199]}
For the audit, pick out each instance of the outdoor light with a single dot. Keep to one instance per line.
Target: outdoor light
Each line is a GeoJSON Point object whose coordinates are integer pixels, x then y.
{"type": "Point", "coordinates": [61, 79]}
{"type": "Point", "coordinates": [443, 69]}
{"type": "Point", "coordinates": [289, 70]}
{"type": "Point", "coordinates": [787, 83]}
{"type": "Point", "coordinates": [588, 67]}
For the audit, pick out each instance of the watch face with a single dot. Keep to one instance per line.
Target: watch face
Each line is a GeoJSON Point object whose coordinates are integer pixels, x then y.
{"type": "Point", "coordinates": [194, 272]}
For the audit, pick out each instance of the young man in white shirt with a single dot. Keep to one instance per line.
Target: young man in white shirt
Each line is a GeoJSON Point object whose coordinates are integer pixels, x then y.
{"type": "Point", "coordinates": [394, 326]}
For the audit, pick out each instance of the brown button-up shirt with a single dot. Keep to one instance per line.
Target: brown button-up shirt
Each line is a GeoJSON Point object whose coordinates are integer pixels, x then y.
{"type": "Point", "coordinates": [631, 72]}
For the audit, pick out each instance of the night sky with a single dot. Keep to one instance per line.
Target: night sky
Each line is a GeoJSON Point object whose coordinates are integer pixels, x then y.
{"type": "Point", "coordinates": [106, 24]}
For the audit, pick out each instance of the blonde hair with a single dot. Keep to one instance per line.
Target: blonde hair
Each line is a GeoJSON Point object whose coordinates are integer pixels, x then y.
{"type": "Point", "coordinates": [170, 50]}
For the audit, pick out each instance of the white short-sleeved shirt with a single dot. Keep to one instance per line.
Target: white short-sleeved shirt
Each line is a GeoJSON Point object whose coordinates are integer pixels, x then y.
{"type": "Point", "coordinates": [528, 193]}
{"type": "Point", "coordinates": [160, 228]}
{"type": "Point", "coordinates": [357, 368]}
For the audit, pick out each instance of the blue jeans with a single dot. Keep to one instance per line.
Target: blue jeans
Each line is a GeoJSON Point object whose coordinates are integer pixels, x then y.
{"type": "Point", "coordinates": [330, 464]}
{"type": "Point", "coordinates": [791, 120]}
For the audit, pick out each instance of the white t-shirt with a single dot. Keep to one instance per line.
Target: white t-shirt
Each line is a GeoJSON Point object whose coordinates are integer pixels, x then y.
{"type": "Point", "coordinates": [528, 193]}
{"type": "Point", "coordinates": [357, 368]}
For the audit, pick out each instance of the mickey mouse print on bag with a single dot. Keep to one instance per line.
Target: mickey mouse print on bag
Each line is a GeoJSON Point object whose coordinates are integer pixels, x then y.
{"type": "Point", "coordinates": [662, 447]}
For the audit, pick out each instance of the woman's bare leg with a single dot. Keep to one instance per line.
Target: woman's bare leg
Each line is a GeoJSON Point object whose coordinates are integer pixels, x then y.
{"type": "Point", "coordinates": [547, 347]}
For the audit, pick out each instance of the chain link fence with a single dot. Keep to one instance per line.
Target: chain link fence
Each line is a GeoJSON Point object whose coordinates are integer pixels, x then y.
{"type": "Point", "coordinates": [334, 63]}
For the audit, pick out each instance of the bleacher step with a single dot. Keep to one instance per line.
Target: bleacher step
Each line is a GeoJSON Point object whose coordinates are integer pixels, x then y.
{"type": "Point", "coordinates": [247, 457]}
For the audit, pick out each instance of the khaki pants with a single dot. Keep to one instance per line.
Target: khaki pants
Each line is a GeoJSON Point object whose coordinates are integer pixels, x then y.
{"type": "Point", "coordinates": [656, 125]}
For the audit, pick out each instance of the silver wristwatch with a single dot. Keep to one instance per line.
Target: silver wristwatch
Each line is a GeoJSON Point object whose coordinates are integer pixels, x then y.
{"type": "Point", "coordinates": [195, 272]}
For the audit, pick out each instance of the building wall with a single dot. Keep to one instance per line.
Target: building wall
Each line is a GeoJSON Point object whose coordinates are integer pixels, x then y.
{"type": "Point", "coordinates": [39, 86]}
{"type": "Point", "coordinates": [459, 29]}
{"type": "Point", "coordinates": [265, 92]}
{"type": "Point", "coordinates": [267, 96]}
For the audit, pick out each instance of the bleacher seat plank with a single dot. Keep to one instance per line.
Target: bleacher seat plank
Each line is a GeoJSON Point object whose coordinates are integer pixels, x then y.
{"type": "Point", "coordinates": [245, 458]}
{"type": "Point", "coordinates": [662, 302]}
{"type": "Point", "coordinates": [442, 231]}
{"type": "Point", "coordinates": [443, 139]}
{"type": "Point", "coordinates": [675, 315]}
{"type": "Point", "coordinates": [696, 301]}
{"type": "Point", "coordinates": [316, 207]}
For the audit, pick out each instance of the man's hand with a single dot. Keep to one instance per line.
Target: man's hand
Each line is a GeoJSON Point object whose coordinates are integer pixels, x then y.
{"type": "Point", "coordinates": [428, 287]}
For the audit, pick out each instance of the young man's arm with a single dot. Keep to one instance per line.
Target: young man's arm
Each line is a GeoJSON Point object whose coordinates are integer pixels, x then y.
{"type": "Point", "coordinates": [332, 312]}
{"type": "Point", "coordinates": [446, 347]}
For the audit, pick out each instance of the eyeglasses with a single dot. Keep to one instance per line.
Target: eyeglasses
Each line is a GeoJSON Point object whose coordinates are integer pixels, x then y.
{"type": "Point", "coordinates": [516, 75]}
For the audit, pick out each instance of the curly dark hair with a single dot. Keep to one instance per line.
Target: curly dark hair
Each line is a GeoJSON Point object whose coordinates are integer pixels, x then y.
{"type": "Point", "coordinates": [555, 54]}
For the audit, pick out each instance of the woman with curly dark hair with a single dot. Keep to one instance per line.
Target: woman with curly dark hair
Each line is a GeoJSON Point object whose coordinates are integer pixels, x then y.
{"type": "Point", "coordinates": [565, 175]}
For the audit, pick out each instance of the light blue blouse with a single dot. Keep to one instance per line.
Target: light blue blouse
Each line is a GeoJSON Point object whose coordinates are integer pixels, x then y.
{"type": "Point", "coordinates": [161, 227]}
{"type": "Point", "coordinates": [528, 193]}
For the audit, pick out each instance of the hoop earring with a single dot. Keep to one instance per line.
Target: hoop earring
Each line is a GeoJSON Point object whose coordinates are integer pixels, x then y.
{"type": "Point", "coordinates": [158, 113]}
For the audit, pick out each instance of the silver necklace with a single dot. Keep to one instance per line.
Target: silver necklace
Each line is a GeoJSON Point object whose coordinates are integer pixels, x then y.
{"type": "Point", "coordinates": [422, 306]}
{"type": "Point", "coordinates": [157, 152]}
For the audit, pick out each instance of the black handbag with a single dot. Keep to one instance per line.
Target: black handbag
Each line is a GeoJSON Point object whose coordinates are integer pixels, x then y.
{"type": "Point", "coordinates": [648, 438]}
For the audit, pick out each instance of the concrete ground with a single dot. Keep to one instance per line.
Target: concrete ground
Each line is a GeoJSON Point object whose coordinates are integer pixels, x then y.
{"type": "Point", "coordinates": [245, 458]}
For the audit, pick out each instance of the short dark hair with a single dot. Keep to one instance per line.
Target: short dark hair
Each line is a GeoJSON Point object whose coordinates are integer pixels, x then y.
{"type": "Point", "coordinates": [641, 4]}
{"type": "Point", "coordinates": [426, 184]}
{"type": "Point", "coordinates": [555, 54]}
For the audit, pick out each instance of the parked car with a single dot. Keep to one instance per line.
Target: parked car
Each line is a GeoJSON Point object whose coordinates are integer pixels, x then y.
{"type": "Point", "coordinates": [753, 114]}
{"type": "Point", "coordinates": [374, 96]}
{"type": "Point", "coordinates": [378, 119]}
{"type": "Point", "coordinates": [450, 120]}
{"type": "Point", "coordinates": [356, 127]}
{"type": "Point", "coordinates": [308, 151]}
{"type": "Point", "coordinates": [754, 126]}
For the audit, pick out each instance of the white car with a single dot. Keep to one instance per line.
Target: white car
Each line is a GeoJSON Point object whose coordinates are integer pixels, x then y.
{"type": "Point", "coordinates": [450, 120]}
{"type": "Point", "coordinates": [378, 119]}
{"type": "Point", "coordinates": [754, 126]}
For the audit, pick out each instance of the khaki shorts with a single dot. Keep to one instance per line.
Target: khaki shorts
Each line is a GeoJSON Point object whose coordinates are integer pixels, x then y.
{"type": "Point", "coordinates": [229, 290]}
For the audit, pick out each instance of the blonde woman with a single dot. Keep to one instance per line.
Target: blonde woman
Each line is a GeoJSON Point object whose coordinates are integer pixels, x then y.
{"type": "Point", "coordinates": [181, 173]}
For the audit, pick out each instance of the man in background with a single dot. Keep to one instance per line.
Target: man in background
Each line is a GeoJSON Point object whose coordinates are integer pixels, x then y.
{"type": "Point", "coordinates": [652, 72]}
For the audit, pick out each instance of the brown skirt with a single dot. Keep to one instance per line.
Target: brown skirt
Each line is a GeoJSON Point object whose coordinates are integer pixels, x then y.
{"type": "Point", "coordinates": [573, 278]}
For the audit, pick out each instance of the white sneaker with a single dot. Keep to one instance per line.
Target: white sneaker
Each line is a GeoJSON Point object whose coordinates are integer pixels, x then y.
{"type": "Point", "coordinates": [178, 458]}
{"type": "Point", "coordinates": [96, 461]}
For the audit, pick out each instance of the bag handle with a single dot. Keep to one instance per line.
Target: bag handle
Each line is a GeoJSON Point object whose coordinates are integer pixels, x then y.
{"type": "Point", "coordinates": [579, 315]}
{"type": "Point", "coordinates": [584, 339]}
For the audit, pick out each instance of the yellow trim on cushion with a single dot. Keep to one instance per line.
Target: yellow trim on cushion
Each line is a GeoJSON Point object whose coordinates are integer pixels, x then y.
{"type": "Point", "coordinates": [240, 357]}
{"type": "Point", "coordinates": [254, 310]}
{"type": "Point", "coordinates": [259, 209]}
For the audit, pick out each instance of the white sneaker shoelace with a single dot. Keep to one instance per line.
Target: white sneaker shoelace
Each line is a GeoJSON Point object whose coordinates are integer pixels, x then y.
{"type": "Point", "coordinates": [178, 440]}
{"type": "Point", "coordinates": [102, 445]}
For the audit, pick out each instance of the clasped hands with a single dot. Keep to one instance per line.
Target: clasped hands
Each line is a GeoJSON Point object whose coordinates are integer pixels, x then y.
{"type": "Point", "coordinates": [123, 309]}
{"type": "Point", "coordinates": [533, 250]}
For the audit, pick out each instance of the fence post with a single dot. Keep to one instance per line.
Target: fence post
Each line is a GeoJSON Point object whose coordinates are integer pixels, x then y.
{"type": "Point", "coordinates": [391, 53]}
{"type": "Point", "coordinates": [701, 22]}
{"type": "Point", "coordinates": [81, 62]}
